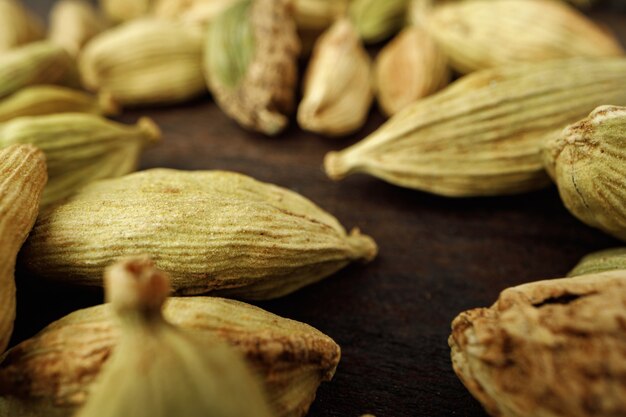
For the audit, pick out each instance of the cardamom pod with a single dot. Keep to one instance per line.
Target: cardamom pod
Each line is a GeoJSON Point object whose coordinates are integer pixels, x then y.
{"type": "Point", "coordinates": [22, 178]}
{"type": "Point", "coordinates": [198, 12]}
{"type": "Point", "coordinates": [146, 61]}
{"type": "Point", "coordinates": [601, 261]}
{"type": "Point", "coordinates": [211, 230]}
{"type": "Point", "coordinates": [313, 17]}
{"type": "Point", "coordinates": [49, 99]}
{"type": "Point", "coordinates": [548, 348]}
{"type": "Point", "coordinates": [483, 134]}
{"type": "Point", "coordinates": [377, 20]}
{"type": "Point", "coordinates": [478, 34]}
{"type": "Point", "coordinates": [52, 373]}
{"type": "Point", "coordinates": [18, 25]}
{"type": "Point", "coordinates": [73, 23]}
{"type": "Point", "coordinates": [408, 68]}
{"type": "Point", "coordinates": [36, 63]}
{"type": "Point", "coordinates": [250, 64]}
{"type": "Point", "coordinates": [337, 84]}
{"type": "Point", "coordinates": [123, 10]}
{"type": "Point", "coordinates": [96, 148]}
{"type": "Point", "coordinates": [587, 163]}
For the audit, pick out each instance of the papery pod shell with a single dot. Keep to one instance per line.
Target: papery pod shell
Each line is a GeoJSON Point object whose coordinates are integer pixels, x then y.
{"type": "Point", "coordinates": [143, 62]}
{"type": "Point", "coordinates": [211, 230]}
{"type": "Point", "coordinates": [250, 63]}
{"type": "Point", "coordinates": [54, 370]}
{"type": "Point", "coordinates": [18, 26]}
{"type": "Point", "coordinates": [377, 20]}
{"type": "Point", "coordinates": [96, 148]}
{"type": "Point", "coordinates": [587, 163]}
{"type": "Point", "coordinates": [601, 261]}
{"type": "Point", "coordinates": [483, 134]}
{"type": "Point", "coordinates": [123, 10]}
{"type": "Point", "coordinates": [50, 99]}
{"type": "Point", "coordinates": [22, 178]}
{"type": "Point", "coordinates": [73, 23]}
{"type": "Point", "coordinates": [548, 348]}
{"type": "Point", "coordinates": [478, 34]}
{"type": "Point", "coordinates": [337, 84]}
{"type": "Point", "coordinates": [37, 63]}
{"type": "Point", "coordinates": [408, 68]}
{"type": "Point", "coordinates": [313, 17]}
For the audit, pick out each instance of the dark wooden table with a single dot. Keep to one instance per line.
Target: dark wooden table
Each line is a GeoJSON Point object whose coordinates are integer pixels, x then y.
{"type": "Point", "coordinates": [438, 257]}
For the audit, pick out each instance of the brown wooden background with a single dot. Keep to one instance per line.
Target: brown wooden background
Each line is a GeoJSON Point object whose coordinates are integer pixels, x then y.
{"type": "Point", "coordinates": [392, 317]}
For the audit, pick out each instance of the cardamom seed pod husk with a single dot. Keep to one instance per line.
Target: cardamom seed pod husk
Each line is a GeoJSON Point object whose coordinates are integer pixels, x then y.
{"type": "Point", "coordinates": [338, 83]}
{"type": "Point", "coordinates": [97, 148]}
{"type": "Point", "coordinates": [73, 23]}
{"type": "Point", "coordinates": [313, 17]}
{"type": "Point", "coordinates": [250, 64]}
{"type": "Point", "coordinates": [197, 12]}
{"type": "Point", "coordinates": [22, 178]}
{"type": "Point", "coordinates": [18, 26]}
{"type": "Point", "coordinates": [601, 261]}
{"type": "Point", "coordinates": [143, 62]}
{"type": "Point", "coordinates": [123, 10]}
{"type": "Point", "coordinates": [547, 348]}
{"type": "Point", "coordinates": [483, 134]}
{"type": "Point", "coordinates": [211, 230]}
{"type": "Point", "coordinates": [377, 20]}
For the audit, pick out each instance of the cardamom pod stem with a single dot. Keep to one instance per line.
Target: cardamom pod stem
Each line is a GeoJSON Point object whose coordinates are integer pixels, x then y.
{"type": "Point", "coordinates": [73, 23]}
{"type": "Point", "coordinates": [18, 26]}
{"type": "Point", "coordinates": [377, 20]}
{"type": "Point", "coordinates": [602, 261]}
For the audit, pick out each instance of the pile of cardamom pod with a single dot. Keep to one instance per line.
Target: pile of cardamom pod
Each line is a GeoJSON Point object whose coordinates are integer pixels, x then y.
{"type": "Point", "coordinates": [535, 100]}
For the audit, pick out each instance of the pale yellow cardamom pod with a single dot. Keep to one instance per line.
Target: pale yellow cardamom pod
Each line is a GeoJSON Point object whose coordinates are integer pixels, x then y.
{"type": "Point", "coordinates": [313, 17]}
{"type": "Point", "coordinates": [337, 84]}
{"type": "Point", "coordinates": [73, 23]}
{"type": "Point", "coordinates": [408, 68]}
{"type": "Point", "coordinates": [601, 261]}
{"type": "Point", "coordinates": [96, 148]}
{"type": "Point", "coordinates": [22, 179]}
{"type": "Point", "coordinates": [483, 134]}
{"type": "Point", "coordinates": [18, 25]}
{"type": "Point", "coordinates": [250, 64]}
{"type": "Point", "coordinates": [548, 348]}
{"type": "Point", "coordinates": [211, 230]}
{"type": "Point", "coordinates": [123, 10]}
{"type": "Point", "coordinates": [197, 12]}
{"type": "Point", "coordinates": [146, 61]}
{"type": "Point", "coordinates": [376, 20]}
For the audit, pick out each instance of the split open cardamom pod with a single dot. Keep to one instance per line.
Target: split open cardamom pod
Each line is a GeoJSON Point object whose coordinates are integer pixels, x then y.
{"type": "Point", "coordinates": [18, 26]}
{"type": "Point", "coordinates": [376, 20]}
{"type": "Point", "coordinates": [601, 261]}
{"type": "Point", "coordinates": [73, 23]}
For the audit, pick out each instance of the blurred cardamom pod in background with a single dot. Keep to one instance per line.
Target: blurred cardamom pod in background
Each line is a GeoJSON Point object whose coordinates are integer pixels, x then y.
{"type": "Point", "coordinates": [376, 20]}
{"type": "Point", "coordinates": [601, 261]}
{"type": "Point", "coordinates": [122, 10]}
{"type": "Point", "coordinates": [73, 23]}
{"type": "Point", "coordinates": [313, 17]}
{"type": "Point", "coordinates": [18, 26]}
{"type": "Point", "coordinates": [198, 12]}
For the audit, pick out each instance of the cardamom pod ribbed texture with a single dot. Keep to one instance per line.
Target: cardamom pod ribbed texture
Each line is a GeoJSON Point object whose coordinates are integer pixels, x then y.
{"type": "Point", "coordinates": [601, 261]}
{"type": "Point", "coordinates": [51, 373]}
{"type": "Point", "coordinates": [377, 20]}
{"type": "Point", "coordinates": [211, 230]}
{"type": "Point", "coordinates": [146, 61]}
{"type": "Point", "coordinates": [250, 63]}
{"type": "Point", "coordinates": [549, 348]}
{"type": "Point", "coordinates": [123, 10]}
{"type": "Point", "coordinates": [73, 23]}
{"type": "Point", "coordinates": [483, 134]}
{"type": "Point", "coordinates": [96, 148]}
{"type": "Point", "coordinates": [22, 178]}
{"type": "Point", "coordinates": [587, 163]}
{"type": "Point", "coordinates": [338, 83]}
{"type": "Point", "coordinates": [478, 34]}
{"type": "Point", "coordinates": [18, 26]}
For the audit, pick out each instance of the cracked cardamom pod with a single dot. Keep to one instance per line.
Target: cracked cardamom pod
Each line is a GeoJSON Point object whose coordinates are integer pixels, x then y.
{"type": "Point", "coordinates": [377, 20]}
{"type": "Point", "coordinates": [483, 134]}
{"type": "Point", "coordinates": [97, 148]}
{"type": "Point", "coordinates": [22, 178]}
{"type": "Point", "coordinates": [250, 64]}
{"type": "Point", "coordinates": [18, 26]}
{"type": "Point", "coordinates": [211, 230]}
{"type": "Point", "coordinates": [478, 34]}
{"type": "Point", "coordinates": [143, 62]}
{"type": "Point", "coordinates": [337, 85]}
{"type": "Point", "coordinates": [313, 17]}
{"type": "Point", "coordinates": [547, 348]}
{"type": "Point", "coordinates": [601, 261]}
{"type": "Point", "coordinates": [587, 163]}
{"type": "Point", "coordinates": [73, 23]}
{"type": "Point", "coordinates": [408, 68]}
{"type": "Point", "coordinates": [123, 10]}
{"type": "Point", "coordinates": [52, 373]}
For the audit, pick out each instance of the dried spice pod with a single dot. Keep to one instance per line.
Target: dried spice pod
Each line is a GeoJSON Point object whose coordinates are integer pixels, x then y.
{"type": "Point", "coordinates": [123, 10]}
{"type": "Point", "coordinates": [548, 348]}
{"type": "Point", "coordinates": [337, 84]}
{"type": "Point", "coordinates": [601, 261]}
{"type": "Point", "coordinates": [408, 68]}
{"type": "Point", "coordinates": [376, 20]}
{"type": "Point", "coordinates": [552, 30]}
{"type": "Point", "coordinates": [51, 373]}
{"type": "Point", "coordinates": [73, 23]}
{"type": "Point", "coordinates": [22, 179]}
{"type": "Point", "coordinates": [250, 63]}
{"type": "Point", "coordinates": [97, 148]}
{"type": "Point", "coordinates": [18, 26]}
{"type": "Point", "coordinates": [313, 17]}
{"type": "Point", "coordinates": [199, 12]}
{"type": "Point", "coordinates": [146, 61]}
{"type": "Point", "coordinates": [483, 134]}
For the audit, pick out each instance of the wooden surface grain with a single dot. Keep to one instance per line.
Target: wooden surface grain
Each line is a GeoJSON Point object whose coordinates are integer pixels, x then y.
{"type": "Point", "coordinates": [438, 257]}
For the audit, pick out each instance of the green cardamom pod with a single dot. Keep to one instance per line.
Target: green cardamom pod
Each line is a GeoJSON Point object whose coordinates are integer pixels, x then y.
{"type": "Point", "coordinates": [313, 17]}
{"type": "Point", "coordinates": [123, 10]}
{"type": "Point", "coordinates": [18, 26]}
{"type": "Point", "coordinates": [73, 23]}
{"type": "Point", "coordinates": [601, 261]}
{"type": "Point", "coordinates": [377, 20]}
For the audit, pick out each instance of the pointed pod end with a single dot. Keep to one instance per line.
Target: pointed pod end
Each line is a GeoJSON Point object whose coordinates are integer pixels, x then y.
{"type": "Point", "coordinates": [150, 129]}
{"type": "Point", "coordinates": [107, 104]}
{"type": "Point", "coordinates": [335, 166]}
{"type": "Point", "coordinates": [363, 246]}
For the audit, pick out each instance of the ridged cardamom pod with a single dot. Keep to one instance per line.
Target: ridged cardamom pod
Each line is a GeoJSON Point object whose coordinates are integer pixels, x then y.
{"type": "Point", "coordinates": [211, 230]}
{"type": "Point", "coordinates": [377, 20]}
{"type": "Point", "coordinates": [408, 68]}
{"type": "Point", "coordinates": [198, 12]}
{"type": "Point", "coordinates": [548, 348]}
{"type": "Point", "coordinates": [250, 63]}
{"type": "Point", "coordinates": [36, 63]}
{"type": "Point", "coordinates": [315, 16]}
{"type": "Point", "coordinates": [587, 163]}
{"type": "Point", "coordinates": [478, 34]}
{"type": "Point", "coordinates": [22, 178]}
{"type": "Point", "coordinates": [73, 23]}
{"type": "Point", "coordinates": [52, 373]}
{"type": "Point", "coordinates": [18, 26]}
{"type": "Point", "coordinates": [483, 134]}
{"type": "Point", "coordinates": [96, 148]}
{"type": "Point", "coordinates": [337, 84]}
{"type": "Point", "coordinates": [601, 261]}
{"type": "Point", "coordinates": [50, 99]}
{"type": "Point", "coordinates": [123, 10]}
{"type": "Point", "coordinates": [146, 61]}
